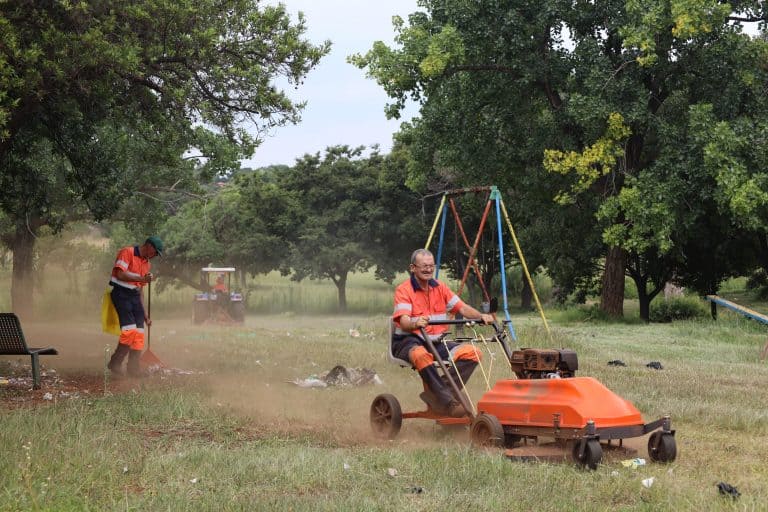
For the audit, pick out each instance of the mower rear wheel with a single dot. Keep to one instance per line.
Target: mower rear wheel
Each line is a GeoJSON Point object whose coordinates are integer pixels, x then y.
{"type": "Point", "coordinates": [662, 447]}
{"type": "Point", "coordinates": [592, 454]}
{"type": "Point", "coordinates": [386, 416]}
{"type": "Point", "coordinates": [487, 432]}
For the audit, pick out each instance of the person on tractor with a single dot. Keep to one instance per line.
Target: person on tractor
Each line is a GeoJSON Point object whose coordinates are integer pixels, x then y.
{"type": "Point", "coordinates": [130, 273]}
{"type": "Point", "coordinates": [418, 300]}
{"type": "Point", "coordinates": [220, 287]}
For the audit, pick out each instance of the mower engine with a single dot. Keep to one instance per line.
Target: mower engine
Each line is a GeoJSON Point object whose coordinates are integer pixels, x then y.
{"type": "Point", "coordinates": [535, 363]}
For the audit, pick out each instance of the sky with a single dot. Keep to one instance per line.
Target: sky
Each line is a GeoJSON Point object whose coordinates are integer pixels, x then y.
{"type": "Point", "coordinates": [343, 106]}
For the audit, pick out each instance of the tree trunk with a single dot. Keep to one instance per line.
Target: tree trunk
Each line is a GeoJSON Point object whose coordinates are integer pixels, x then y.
{"type": "Point", "coordinates": [341, 286]}
{"type": "Point", "coordinates": [645, 301]}
{"type": "Point", "coordinates": [526, 294]}
{"type": "Point", "coordinates": [21, 281]}
{"type": "Point", "coordinates": [612, 295]}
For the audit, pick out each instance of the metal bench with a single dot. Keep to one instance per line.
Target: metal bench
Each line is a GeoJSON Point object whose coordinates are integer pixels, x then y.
{"type": "Point", "coordinates": [12, 343]}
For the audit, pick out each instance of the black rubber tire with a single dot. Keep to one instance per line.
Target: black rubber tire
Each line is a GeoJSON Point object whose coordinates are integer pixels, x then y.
{"type": "Point", "coordinates": [386, 416]}
{"type": "Point", "coordinates": [486, 432]}
{"type": "Point", "coordinates": [238, 311]}
{"type": "Point", "coordinates": [666, 450]}
{"type": "Point", "coordinates": [593, 452]}
{"type": "Point", "coordinates": [200, 312]}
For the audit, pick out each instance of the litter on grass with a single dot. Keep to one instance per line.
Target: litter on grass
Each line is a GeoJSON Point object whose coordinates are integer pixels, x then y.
{"type": "Point", "coordinates": [340, 376]}
{"type": "Point", "coordinates": [728, 490]}
{"type": "Point", "coordinates": [633, 463]}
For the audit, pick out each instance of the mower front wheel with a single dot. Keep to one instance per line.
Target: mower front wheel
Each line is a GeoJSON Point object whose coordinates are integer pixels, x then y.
{"type": "Point", "coordinates": [662, 447]}
{"type": "Point", "coordinates": [487, 432]}
{"type": "Point", "coordinates": [587, 453]}
{"type": "Point", "coordinates": [386, 416]}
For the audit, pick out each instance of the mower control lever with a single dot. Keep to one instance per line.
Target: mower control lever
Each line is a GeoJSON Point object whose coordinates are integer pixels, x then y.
{"type": "Point", "coordinates": [463, 321]}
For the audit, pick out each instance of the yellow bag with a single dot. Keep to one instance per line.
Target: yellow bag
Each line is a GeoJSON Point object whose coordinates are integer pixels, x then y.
{"type": "Point", "coordinates": [110, 322]}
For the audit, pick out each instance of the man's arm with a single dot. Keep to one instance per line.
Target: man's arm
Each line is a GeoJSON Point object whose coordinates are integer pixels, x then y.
{"type": "Point", "coordinates": [124, 275]}
{"type": "Point", "coordinates": [471, 313]}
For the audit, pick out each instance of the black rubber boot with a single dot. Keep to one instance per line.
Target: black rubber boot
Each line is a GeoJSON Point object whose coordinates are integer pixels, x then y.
{"type": "Point", "coordinates": [438, 396]}
{"type": "Point", "coordinates": [116, 361]}
{"type": "Point", "coordinates": [465, 368]}
{"type": "Point", "coordinates": [134, 365]}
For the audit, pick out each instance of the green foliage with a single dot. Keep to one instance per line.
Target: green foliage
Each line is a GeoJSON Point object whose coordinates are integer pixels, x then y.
{"type": "Point", "coordinates": [678, 308]}
{"type": "Point", "coordinates": [104, 106]}
{"type": "Point", "coordinates": [758, 284]}
{"type": "Point", "coordinates": [324, 218]}
{"type": "Point", "coordinates": [595, 161]}
{"type": "Point", "coordinates": [646, 156]}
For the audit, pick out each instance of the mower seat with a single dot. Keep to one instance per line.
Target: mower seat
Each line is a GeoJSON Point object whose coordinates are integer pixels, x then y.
{"type": "Point", "coordinates": [390, 356]}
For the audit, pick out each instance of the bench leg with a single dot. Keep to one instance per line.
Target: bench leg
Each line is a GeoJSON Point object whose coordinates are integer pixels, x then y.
{"type": "Point", "coordinates": [35, 371]}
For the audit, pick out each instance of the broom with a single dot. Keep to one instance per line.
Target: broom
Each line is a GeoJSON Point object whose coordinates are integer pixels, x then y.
{"type": "Point", "coordinates": [148, 358]}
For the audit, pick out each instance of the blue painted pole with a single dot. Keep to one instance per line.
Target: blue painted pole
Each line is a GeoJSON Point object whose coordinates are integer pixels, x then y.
{"type": "Point", "coordinates": [496, 197]}
{"type": "Point", "coordinates": [440, 243]}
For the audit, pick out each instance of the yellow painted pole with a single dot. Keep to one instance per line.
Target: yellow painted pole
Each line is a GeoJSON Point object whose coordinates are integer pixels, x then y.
{"type": "Point", "coordinates": [434, 224]}
{"type": "Point", "coordinates": [525, 268]}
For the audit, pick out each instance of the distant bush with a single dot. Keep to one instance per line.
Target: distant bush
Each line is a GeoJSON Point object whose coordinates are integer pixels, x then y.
{"type": "Point", "coordinates": [758, 284]}
{"type": "Point", "coordinates": [677, 308]}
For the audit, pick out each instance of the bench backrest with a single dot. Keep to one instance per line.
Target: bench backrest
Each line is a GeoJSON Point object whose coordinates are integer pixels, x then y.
{"type": "Point", "coordinates": [11, 338]}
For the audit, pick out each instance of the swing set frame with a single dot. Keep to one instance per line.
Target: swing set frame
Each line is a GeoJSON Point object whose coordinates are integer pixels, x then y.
{"type": "Point", "coordinates": [493, 201]}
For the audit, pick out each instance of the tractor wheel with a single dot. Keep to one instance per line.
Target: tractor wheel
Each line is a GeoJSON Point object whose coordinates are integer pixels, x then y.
{"type": "Point", "coordinates": [200, 312]}
{"type": "Point", "coordinates": [238, 312]}
{"type": "Point", "coordinates": [386, 416]}
{"type": "Point", "coordinates": [593, 452]}
{"type": "Point", "coordinates": [487, 432]}
{"type": "Point", "coordinates": [662, 447]}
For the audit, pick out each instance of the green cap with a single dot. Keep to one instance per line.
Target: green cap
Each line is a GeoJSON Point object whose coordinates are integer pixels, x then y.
{"type": "Point", "coordinates": [155, 242]}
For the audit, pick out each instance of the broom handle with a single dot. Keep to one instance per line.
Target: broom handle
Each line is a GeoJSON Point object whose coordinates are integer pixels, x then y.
{"type": "Point", "coordinates": [149, 312]}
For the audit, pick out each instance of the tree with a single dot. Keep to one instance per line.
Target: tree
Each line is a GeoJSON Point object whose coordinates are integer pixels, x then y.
{"type": "Point", "coordinates": [588, 91]}
{"type": "Point", "coordinates": [81, 83]}
{"type": "Point", "coordinates": [342, 216]}
{"type": "Point", "coordinates": [323, 218]}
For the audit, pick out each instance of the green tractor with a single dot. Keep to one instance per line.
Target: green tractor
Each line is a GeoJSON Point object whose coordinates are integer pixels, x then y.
{"type": "Point", "coordinates": [220, 303]}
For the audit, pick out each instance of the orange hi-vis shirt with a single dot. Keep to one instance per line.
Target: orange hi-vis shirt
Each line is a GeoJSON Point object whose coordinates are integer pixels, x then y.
{"type": "Point", "coordinates": [129, 260]}
{"type": "Point", "coordinates": [434, 303]}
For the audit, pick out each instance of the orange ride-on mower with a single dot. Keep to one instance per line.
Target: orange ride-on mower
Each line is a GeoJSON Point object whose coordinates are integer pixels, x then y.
{"type": "Point", "coordinates": [546, 399]}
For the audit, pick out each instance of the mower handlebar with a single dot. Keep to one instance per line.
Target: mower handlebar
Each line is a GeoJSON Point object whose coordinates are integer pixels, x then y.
{"type": "Point", "coordinates": [465, 321]}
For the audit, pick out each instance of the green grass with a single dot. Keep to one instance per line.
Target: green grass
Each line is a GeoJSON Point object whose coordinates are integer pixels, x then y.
{"type": "Point", "coordinates": [240, 437]}
{"type": "Point", "coordinates": [237, 435]}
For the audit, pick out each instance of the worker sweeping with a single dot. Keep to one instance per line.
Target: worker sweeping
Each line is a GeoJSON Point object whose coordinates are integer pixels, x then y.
{"type": "Point", "coordinates": [130, 273]}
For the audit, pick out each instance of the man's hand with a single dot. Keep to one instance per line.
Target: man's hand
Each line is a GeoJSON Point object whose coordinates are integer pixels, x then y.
{"type": "Point", "coordinates": [487, 319]}
{"type": "Point", "coordinates": [419, 322]}
{"type": "Point", "coordinates": [148, 277]}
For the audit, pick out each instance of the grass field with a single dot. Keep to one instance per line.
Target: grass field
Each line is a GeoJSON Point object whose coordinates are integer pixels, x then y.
{"type": "Point", "coordinates": [236, 434]}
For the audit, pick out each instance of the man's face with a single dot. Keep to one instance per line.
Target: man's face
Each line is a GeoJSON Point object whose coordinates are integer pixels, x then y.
{"type": "Point", "coordinates": [151, 251]}
{"type": "Point", "coordinates": [424, 268]}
